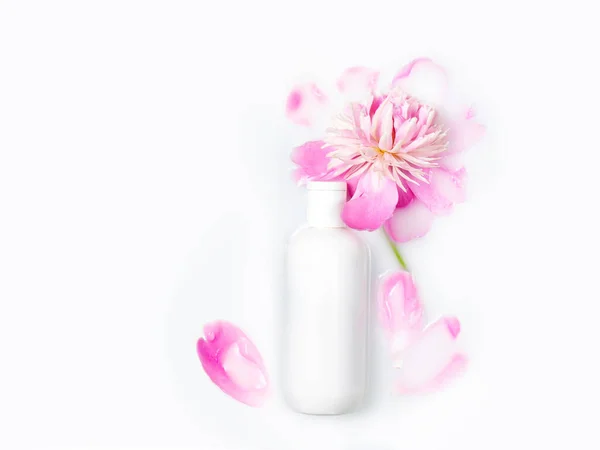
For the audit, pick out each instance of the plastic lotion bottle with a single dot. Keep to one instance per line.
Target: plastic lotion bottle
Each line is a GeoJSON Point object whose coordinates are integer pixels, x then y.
{"type": "Point", "coordinates": [327, 308]}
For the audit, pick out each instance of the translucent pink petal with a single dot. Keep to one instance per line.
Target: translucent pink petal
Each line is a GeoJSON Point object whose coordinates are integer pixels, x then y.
{"type": "Point", "coordinates": [423, 79]}
{"type": "Point", "coordinates": [452, 161]}
{"type": "Point", "coordinates": [400, 310]}
{"type": "Point", "coordinates": [304, 103]}
{"type": "Point", "coordinates": [233, 363]}
{"type": "Point", "coordinates": [433, 359]}
{"type": "Point", "coordinates": [373, 202]}
{"type": "Point", "coordinates": [464, 133]}
{"type": "Point", "coordinates": [410, 222]}
{"type": "Point", "coordinates": [357, 82]}
{"type": "Point", "coordinates": [445, 188]}
{"type": "Point", "coordinates": [311, 158]}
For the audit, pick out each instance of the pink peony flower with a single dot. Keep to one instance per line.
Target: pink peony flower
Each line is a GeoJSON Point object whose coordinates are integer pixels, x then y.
{"type": "Point", "coordinates": [397, 150]}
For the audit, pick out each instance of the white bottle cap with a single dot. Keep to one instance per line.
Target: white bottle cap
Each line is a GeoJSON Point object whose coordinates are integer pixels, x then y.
{"type": "Point", "coordinates": [325, 203]}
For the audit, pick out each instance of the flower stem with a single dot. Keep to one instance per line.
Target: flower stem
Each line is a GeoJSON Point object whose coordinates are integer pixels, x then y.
{"type": "Point", "coordinates": [392, 245]}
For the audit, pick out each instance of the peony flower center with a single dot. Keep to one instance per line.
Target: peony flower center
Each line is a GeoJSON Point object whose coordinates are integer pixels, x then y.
{"type": "Point", "coordinates": [380, 151]}
{"type": "Point", "coordinates": [400, 138]}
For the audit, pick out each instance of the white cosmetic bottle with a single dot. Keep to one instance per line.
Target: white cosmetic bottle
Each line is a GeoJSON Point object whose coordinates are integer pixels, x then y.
{"type": "Point", "coordinates": [327, 308]}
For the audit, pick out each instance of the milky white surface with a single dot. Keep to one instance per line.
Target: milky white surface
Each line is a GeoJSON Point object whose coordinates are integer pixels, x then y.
{"type": "Point", "coordinates": [144, 190]}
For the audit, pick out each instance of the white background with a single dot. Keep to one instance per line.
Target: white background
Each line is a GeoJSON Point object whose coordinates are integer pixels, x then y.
{"type": "Point", "coordinates": [144, 190]}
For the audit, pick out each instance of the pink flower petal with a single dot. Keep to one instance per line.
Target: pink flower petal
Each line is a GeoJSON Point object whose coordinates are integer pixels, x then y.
{"type": "Point", "coordinates": [452, 162]}
{"type": "Point", "coordinates": [375, 104]}
{"type": "Point", "coordinates": [464, 133]}
{"type": "Point", "coordinates": [373, 202]}
{"type": "Point", "coordinates": [424, 80]}
{"type": "Point", "coordinates": [404, 198]}
{"type": "Point", "coordinates": [444, 189]}
{"type": "Point", "coordinates": [233, 363]}
{"type": "Point", "coordinates": [383, 124]}
{"type": "Point", "coordinates": [357, 82]}
{"type": "Point", "coordinates": [241, 370]}
{"type": "Point", "coordinates": [312, 159]}
{"type": "Point", "coordinates": [400, 310]}
{"type": "Point", "coordinates": [304, 103]}
{"type": "Point", "coordinates": [433, 359]}
{"type": "Point", "coordinates": [351, 184]}
{"type": "Point", "coordinates": [410, 222]}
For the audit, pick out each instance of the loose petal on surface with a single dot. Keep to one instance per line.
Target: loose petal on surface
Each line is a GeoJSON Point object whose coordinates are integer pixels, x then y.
{"type": "Point", "coordinates": [423, 79]}
{"type": "Point", "coordinates": [304, 103]}
{"type": "Point", "coordinates": [432, 360]}
{"type": "Point", "coordinates": [410, 222]}
{"type": "Point", "coordinates": [357, 82]}
{"type": "Point", "coordinates": [312, 160]}
{"type": "Point", "coordinates": [372, 204]}
{"type": "Point", "coordinates": [400, 310]}
{"type": "Point", "coordinates": [233, 363]}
